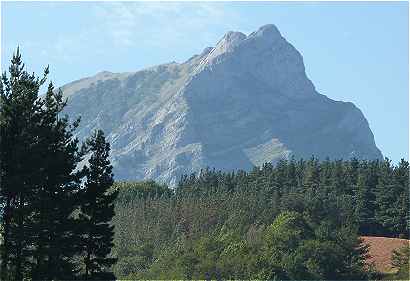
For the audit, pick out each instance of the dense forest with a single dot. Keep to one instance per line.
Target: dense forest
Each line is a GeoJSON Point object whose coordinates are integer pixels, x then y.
{"type": "Point", "coordinates": [64, 218]}
{"type": "Point", "coordinates": [295, 220]}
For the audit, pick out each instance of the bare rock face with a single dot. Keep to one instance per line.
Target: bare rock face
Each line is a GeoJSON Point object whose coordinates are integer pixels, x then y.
{"type": "Point", "coordinates": [244, 102]}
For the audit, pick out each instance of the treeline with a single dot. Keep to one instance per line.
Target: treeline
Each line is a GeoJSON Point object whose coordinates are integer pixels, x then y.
{"type": "Point", "coordinates": [378, 190]}
{"type": "Point", "coordinates": [295, 220]}
{"type": "Point", "coordinates": [55, 212]}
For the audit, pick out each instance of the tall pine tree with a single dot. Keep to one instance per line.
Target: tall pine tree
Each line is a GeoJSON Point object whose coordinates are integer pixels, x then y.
{"type": "Point", "coordinates": [39, 181]}
{"type": "Point", "coordinates": [59, 182]}
{"type": "Point", "coordinates": [401, 214]}
{"type": "Point", "coordinates": [19, 114]}
{"type": "Point", "coordinates": [386, 193]}
{"type": "Point", "coordinates": [364, 204]}
{"type": "Point", "coordinates": [97, 211]}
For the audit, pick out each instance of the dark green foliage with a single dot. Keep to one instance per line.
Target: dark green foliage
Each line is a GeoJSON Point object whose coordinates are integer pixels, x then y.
{"type": "Point", "coordinates": [19, 108]}
{"type": "Point", "coordinates": [364, 205]}
{"type": "Point", "coordinates": [392, 199]}
{"type": "Point", "coordinates": [38, 185]}
{"type": "Point", "coordinates": [295, 220]}
{"type": "Point", "coordinates": [402, 202]}
{"type": "Point", "coordinates": [137, 190]}
{"type": "Point", "coordinates": [58, 184]}
{"type": "Point", "coordinates": [21, 112]}
{"type": "Point", "coordinates": [41, 184]}
{"type": "Point", "coordinates": [96, 211]}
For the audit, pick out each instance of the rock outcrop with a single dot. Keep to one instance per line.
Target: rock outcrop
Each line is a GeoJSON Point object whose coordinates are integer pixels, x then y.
{"type": "Point", "coordinates": [244, 102]}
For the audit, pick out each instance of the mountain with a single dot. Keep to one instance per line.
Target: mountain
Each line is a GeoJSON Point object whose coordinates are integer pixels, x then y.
{"type": "Point", "coordinates": [242, 103]}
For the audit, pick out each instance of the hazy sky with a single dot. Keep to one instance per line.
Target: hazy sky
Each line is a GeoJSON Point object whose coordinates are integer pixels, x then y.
{"type": "Point", "coordinates": [352, 51]}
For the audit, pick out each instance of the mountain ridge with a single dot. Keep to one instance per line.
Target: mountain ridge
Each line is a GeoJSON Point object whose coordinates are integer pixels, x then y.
{"type": "Point", "coordinates": [244, 102]}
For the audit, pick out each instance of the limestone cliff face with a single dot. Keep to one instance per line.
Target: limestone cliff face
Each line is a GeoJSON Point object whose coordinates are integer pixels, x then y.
{"type": "Point", "coordinates": [244, 102]}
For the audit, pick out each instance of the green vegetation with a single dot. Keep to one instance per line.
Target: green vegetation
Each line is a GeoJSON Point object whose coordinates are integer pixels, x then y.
{"type": "Point", "coordinates": [401, 261]}
{"type": "Point", "coordinates": [55, 215]}
{"type": "Point", "coordinates": [96, 212]}
{"type": "Point", "coordinates": [296, 220]}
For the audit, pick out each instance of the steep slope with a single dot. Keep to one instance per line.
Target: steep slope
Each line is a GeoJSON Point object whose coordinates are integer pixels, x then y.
{"type": "Point", "coordinates": [242, 103]}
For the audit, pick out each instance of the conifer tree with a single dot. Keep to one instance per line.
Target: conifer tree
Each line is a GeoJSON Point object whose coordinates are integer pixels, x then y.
{"type": "Point", "coordinates": [326, 168]}
{"type": "Point", "coordinates": [386, 195]}
{"type": "Point", "coordinates": [38, 180]}
{"type": "Point", "coordinates": [338, 177]}
{"type": "Point", "coordinates": [19, 114]}
{"type": "Point", "coordinates": [292, 176]}
{"type": "Point", "coordinates": [55, 237]}
{"type": "Point", "coordinates": [311, 179]}
{"type": "Point", "coordinates": [364, 205]}
{"type": "Point", "coordinates": [281, 175]}
{"type": "Point", "coordinates": [352, 174]}
{"type": "Point", "coordinates": [401, 214]}
{"type": "Point", "coordinates": [97, 211]}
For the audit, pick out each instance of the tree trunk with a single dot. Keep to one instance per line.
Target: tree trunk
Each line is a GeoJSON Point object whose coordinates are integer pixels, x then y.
{"type": "Point", "coordinates": [5, 252]}
{"type": "Point", "coordinates": [19, 244]}
{"type": "Point", "coordinates": [87, 260]}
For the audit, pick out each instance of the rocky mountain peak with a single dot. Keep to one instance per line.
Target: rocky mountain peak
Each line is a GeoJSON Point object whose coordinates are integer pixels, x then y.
{"type": "Point", "coordinates": [230, 40]}
{"type": "Point", "coordinates": [242, 103]}
{"type": "Point", "coordinates": [264, 55]}
{"type": "Point", "coordinates": [268, 31]}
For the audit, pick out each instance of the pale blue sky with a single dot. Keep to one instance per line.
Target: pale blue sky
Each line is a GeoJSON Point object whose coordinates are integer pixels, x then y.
{"type": "Point", "coordinates": [353, 51]}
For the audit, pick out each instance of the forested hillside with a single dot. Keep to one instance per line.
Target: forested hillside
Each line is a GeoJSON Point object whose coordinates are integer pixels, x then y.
{"type": "Point", "coordinates": [64, 218]}
{"type": "Point", "coordinates": [296, 220]}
